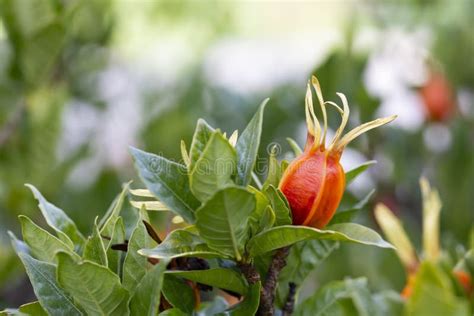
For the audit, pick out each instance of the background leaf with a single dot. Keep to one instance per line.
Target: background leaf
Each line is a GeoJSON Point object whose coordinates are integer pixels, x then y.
{"type": "Point", "coordinates": [223, 220]}
{"type": "Point", "coordinates": [303, 258]}
{"type": "Point", "coordinates": [247, 146]}
{"type": "Point", "coordinates": [94, 287]}
{"type": "Point", "coordinates": [168, 181]}
{"type": "Point", "coordinates": [353, 173]}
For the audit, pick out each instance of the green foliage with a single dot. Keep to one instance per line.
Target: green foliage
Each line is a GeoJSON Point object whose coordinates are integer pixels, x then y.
{"type": "Point", "coordinates": [230, 225]}
{"type": "Point", "coordinates": [223, 221]}
{"type": "Point", "coordinates": [283, 236]}
{"type": "Point", "coordinates": [247, 146]}
{"type": "Point", "coordinates": [168, 181]}
{"type": "Point", "coordinates": [349, 297]}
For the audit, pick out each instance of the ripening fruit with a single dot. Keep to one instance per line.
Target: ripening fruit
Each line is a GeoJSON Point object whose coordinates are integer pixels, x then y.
{"type": "Point", "coordinates": [437, 97]}
{"type": "Point", "coordinates": [314, 182]}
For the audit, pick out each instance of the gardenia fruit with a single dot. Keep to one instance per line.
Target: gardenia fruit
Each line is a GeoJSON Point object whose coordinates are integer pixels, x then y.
{"type": "Point", "coordinates": [314, 182]}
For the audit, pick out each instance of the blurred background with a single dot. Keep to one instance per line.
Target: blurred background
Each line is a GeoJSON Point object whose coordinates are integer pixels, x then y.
{"type": "Point", "coordinates": [81, 80]}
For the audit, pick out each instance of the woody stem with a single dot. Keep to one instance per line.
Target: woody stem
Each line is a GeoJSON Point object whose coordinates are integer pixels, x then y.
{"type": "Point", "coordinates": [267, 295]}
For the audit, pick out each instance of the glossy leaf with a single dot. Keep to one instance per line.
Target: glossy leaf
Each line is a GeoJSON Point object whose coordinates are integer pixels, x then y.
{"type": "Point", "coordinates": [94, 249]}
{"type": "Point", "coordinates": [178, 293]}
{"type": "Point", "coordinates": [94, 287]}
{"type": "Point", "coordinates": [354, 173]}
{"type": "Point", "coordinates": [135, 265]}
{"type": "Point", "coordinates": [283, 236]}
{"type": "Point", "coordinates": [223, 220]}
{"type": "Point", "coordinates": [280, 205]}
{"type": "Point", "coordinates": [58, 220]}
{"type": "Point", "coordinates": [247, 146]}
{"type": "Point", "coordinates": [54, 299]}
{"type": "Point", "coordinates": [202, 135]}
{"type": "Point", "coordinates": [146, 298]}
{"type": "Point", "coordinates": [219, 277]}
{"type": "Point", "coordinates": [43, 245]}
{"type": "Point", "coordinates": [214, 168]}
{"type": "Point", "coordinates": [181, 243]}
{"type": "Point", "coordinates": [168, 181]}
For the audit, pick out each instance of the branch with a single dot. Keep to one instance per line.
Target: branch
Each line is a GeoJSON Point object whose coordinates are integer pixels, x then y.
{"type": "Point", "coordinates": [267, 296]}
{"type": "Point", "coordinates": [290, 300]}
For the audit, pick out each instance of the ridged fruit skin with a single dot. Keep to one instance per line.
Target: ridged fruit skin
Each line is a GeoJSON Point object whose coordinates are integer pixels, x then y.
{"type": "Point", "coordinates": [313, 185]}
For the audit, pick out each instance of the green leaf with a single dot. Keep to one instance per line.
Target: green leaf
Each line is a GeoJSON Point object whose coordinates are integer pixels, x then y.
{"type": "Point", "coordinates": [114, 257]}
{"type": "Point", "coordinates": [201, 137]}
{"type": "Point", "coordinates": [345, 216]}
{"type": "Point", "coordinates": [33, 308]}
{"type": "Point", "coordinates": [94, 250]}
{"type": "Point", "coordinates": [43, 245]}
{"type": "Point", "coordinates": [247, 147]}
{"type": "Point", "coordinates": [262, 217]}
{"type": "Point", "coordinates": [345, 298]}
{"type": "Point", "coordinates": [214, 168]}
{"type": "Point", "coordinates": [303, 258]}
{"type": "Point", "coordinates": [388, 303]}
{"type": "Point", "coordinates": [219, 277]}
{"type": "Point", "coordinates": [294, 146]}
{"type": "Point", "coordinates": [109, 220]}
{"type": "Point", "coordinates": [178, 293]}
{"type": "Point", "coordinates": [274, 170]}
{"type": "Point", "coordinates": [181, 243]}
{"type": "Point", "coordinates": [173, 312]}
{"type": "Point", "coordinates": [223, 220]}
{"type": "Point", "coordinates": [168, 181]}
{"type": "Point", "coordinates": [433, 294]}
{"type": "Point", "coordinates": [283, 236]}
{"type": "Point", "coordinates": [58, 220]}
{"type": "Point", "coordinates": [354, 173]}
{"type": "Point", "coordinates": [249, 305]}
{"type": "Point", "coordinates": [279, 205]}
{"type": "Point", "coordinates": [146, 299]}
{"type": "Point", "coordinates": [42, 276]}
{"type": "Point", "coordinates": [135, 266]}
{"type": "Point", "coordinates": [94, 287]}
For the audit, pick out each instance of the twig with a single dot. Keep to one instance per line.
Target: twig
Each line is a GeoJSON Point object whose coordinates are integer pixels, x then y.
{"type": "Point", "coordinates": [267, 296]}
{"type": "Point", "coordinates": [290, 300]}
{"type": "Point", "coordinates": [249, 272]}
